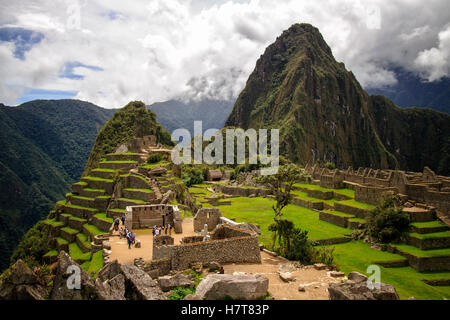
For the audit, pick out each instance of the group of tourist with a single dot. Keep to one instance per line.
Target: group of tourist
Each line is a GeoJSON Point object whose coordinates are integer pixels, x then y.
{"type": "Point", "coordinates": [117, 223]}
{"type": "Point", "coordinates": [124, 232]}
{"type": "Point", "coordinates": [159, 230]}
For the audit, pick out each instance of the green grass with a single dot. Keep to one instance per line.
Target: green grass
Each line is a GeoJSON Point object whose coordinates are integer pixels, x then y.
{"type": "Point", "coordinates": [357, 204]}
{"type": "Point", "coordinates": [94, 190]}
{"type": "Point", "coordinates": [259, 211]}
{"type": "Point", "coordinates": [117, 210]}
{"type": "Point", "coordinates": [76, 253]}
{"type": "Point", "coordinates": [139, 190]}
{"type": "Point", "coordinates": [93, 229]}
{"type": "Point", "coordinates": [84, 198]}
{"type": "Point", "coordinates": [104, 170]}
{"type": "Point", "coordinates": [422, 253]}
{"type": "Point", "coordinates": [77, 219]}
{"type": "Point", "coordinates": [444, 234]}
{"type": "Point", "coordinates": [155, 165]}
{"type": "Point", "coordinates": [61, 241]}
{"type": "Point", "coordinates": [119, 161]}
{"type": "Point", "coordinates": [123, 154]}
{"type": "Point", "coordinates": [51, 253]}
{"type": "Point", "coordinates": [81, 183]}
{"type": "Point", "coordinates": [428, 224]}
{"type": "Point", "coordinates": [132, 200]}
{"type": "Point", "coordinates": [53, 222]}
{"type": "Point", "coordinates": [303, 196]}
{"type": "Point", "coordinates": [82, 237]}
{"type": "Point", "coordinates": [98, 179]}
{"type": "Point", "coordinates": [102, 216]}
{"type": "Point", "coordinates": [357, 220]}
{"type": "Point", "coordinates": [339, 213]}
{"type": "Point", "coordinates": [80, 207]}
{"type": "Point", "coordinates": [96, 264]}
{"type": "Point", "coordinates": [346, 192]}
{"type": "Point", "coordinates": [70, 230]}
{"type": "Point", "coordinates": [357, 256]}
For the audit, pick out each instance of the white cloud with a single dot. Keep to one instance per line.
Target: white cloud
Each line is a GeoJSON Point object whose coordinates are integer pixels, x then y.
{"type": "Point", "coordinates": [160, 49]}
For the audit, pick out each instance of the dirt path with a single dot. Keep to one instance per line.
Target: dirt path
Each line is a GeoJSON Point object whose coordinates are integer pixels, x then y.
{"type": "Point", "coordinates": [120, 251]}
{"type": "Point", "coordinates": [314, 281]}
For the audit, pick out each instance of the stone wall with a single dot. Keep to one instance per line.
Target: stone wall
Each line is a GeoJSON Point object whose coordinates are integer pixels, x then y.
{"type": "Point", "coordinates": [147, 216]}
{"type": "Point", "coordinates": [372, 194]}
{"type": "Point", "coordinates": [209, 216]}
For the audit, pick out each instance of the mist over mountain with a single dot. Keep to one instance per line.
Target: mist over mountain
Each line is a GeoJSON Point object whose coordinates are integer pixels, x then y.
{"type": "Point", "coordinates": [175, 114]}
{"type": "Point", "coordinates": [412, 91]}
{"type": "Point", "coordinates": [44, 145]}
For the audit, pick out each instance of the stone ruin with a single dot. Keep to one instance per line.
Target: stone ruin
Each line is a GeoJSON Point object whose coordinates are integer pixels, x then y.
{"type": "Point", "coordinates": [226, 244]}
{"type": "Point", "coordinates": [371, 185]}
{"type": "Point", "coordinates": [148, 216]}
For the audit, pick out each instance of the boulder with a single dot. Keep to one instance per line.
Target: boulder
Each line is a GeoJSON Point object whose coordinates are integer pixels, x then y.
{"type": "Point", "coordinates": [286, 277]}
{"type": "Point", "coordinates": [139, 285]}
{"type": "Point", "coordinates": [192, 297]}
{"type": "Point", "coordinates": [356, 276]}
{"type": "Point", "coordinates": [356, 289]}
{"type": "Point", "coordinates": [167, 283]}
{"type": "Point", "coordinates": [113, 289]}
{"type": "Point", "coordinates": [21, 284]}
{"type": "Point", "coordinates": [212, 266]}
{"type": "Point", "coordinates": [137, 244]}
{"type": "Point", "coordinates": [320, 266]}
{"type": "Point", "coordinates": [109, 271]}
{"type": "Point", "coordinates": [63, 276]}
{"type": "Point", "coordinates": [337, 274]}
{"type": "Point", "coordinates": [220, 286]}
{"type": "Point", "coordinates": [288, 267]}
{"type": "Point", "coordinates": [301, 288]}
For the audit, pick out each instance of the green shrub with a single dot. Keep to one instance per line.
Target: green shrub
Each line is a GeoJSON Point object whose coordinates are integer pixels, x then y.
{"type": "Point", "coordinates": [192, 176]}
{"type": "Point", "coordinates": [154, 158]}
{"type": "Point", "coordinates": [330, 165]}
{"type": "Point", "coordinates": [387, 222]}
{"type": "Point", "coordinates": [180, 293]}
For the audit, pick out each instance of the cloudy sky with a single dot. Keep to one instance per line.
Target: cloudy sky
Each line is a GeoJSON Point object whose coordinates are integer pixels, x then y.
{"type": "Point", "coordinates": [112, 51]}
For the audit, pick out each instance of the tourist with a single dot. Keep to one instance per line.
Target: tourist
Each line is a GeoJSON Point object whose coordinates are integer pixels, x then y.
{"type": "Point", "coordinates": [170, 229]}
{"type": "Point", "coordinates": [166, 229]}
{"type": "Point", "coordinates": [129, 240]}
{"type": "Point", "coordinates": [157, 231]}
{"type": "Point", "coordinates": [221, 270]}
{"type": "Point", "coordinates": [123, 220]}
{"type": "Point", "coordinates": [120, 232]}
{"type": "Point", "coordinates": [153, 231]}
{"type": "Point", "coordinates": [116, 224]}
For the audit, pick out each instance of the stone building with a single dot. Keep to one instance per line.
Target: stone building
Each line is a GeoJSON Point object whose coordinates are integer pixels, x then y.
{"type": "Point", "coordinates": [147, 216]}
{"type": "Point", "coordinates": [208, 216]}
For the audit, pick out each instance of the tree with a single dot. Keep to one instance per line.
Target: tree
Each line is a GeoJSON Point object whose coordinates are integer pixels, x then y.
{"type": "Point", "coordinates": [281, 184]}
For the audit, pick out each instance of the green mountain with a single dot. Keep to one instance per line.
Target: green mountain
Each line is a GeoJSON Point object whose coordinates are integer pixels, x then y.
{"type": "Point", "coordinates": [133, 120]}
{"type": "Point", "coordinates": [324, 114]}
{"type": "Point", "coordinates": [43, 148]}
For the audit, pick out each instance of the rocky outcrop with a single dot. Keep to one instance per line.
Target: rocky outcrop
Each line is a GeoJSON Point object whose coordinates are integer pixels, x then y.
{"type": "Point", "coordinates": [220, 286]}
{"type": "Point", "coordinates": [167, 283]}
{"type": "Point", "coordinates": [21, 284]}
{"type": "Point", "coordinates": [64, 282]}
{"type": "Point", "coordinates": [356, 288]}
{"type": "Point", "coordinates": [128, 282]}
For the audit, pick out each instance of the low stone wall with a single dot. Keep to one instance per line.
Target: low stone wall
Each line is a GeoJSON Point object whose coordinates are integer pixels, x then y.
{"type": "Point", "coordinates": [240, 191]}
{"type": "Point", "coordinates": [331, 241]}
{"type": "Point", "coordinates": [308, 204]}
{"type": "Point", "coordinates": [425, 264]}
{"type": "Point", "coordinates": [236, 250]}
{"type": "Point", "coordinates": [333, 219]}
{"type": "Point", "coordinates": [430, 243]}
{"type": "Point", "coordinates": [101, 224]}
{"type": "Point", "coordinates": [192, 239]}
{"type": "Point", "coordinates": [358, 212]}
{"type": "Point", "coordinates": [158, 268]}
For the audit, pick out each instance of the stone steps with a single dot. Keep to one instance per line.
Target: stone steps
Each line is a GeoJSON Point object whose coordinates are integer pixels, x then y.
{"type": "Point", "coordinates": [92, 193]}
{"type": "Point", "coordinates": [103, 173]}
{"type": "Point", "coordinates": [424, 260]}
{"type": "Point", "coordinates": [439, 240]}
{"type": "Point", "coordinates": [80, 212]}
{"type": "Point", "coordinates": [123, 166]}
{"type": "Point", "coordinates": [124, 157]}
{"type": "Point", "coordinates": [102, 222]}
{"type": "Point", "coordinates": [81, 201]}
{"type": "Point", "coordinates": [428, 227]}
{"type": "Point", "coordinates": [69, 234]}
{"type": "Point", "coordinates": [139, 194]}
{"type": "Point", "coordinates": [99, 183]}
{"type": "Point", "coordinates": [83, 243]}
{"type": "Point", "coordinates": [337, 218]}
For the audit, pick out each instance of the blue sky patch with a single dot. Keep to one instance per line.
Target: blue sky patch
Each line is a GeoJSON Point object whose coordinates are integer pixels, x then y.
{"type": "Point", "coordinates": [35, 94]}
{"type": "Point", "coordinates": [67, 71]}
{"type": "Point", "coordinates": [23, 39]}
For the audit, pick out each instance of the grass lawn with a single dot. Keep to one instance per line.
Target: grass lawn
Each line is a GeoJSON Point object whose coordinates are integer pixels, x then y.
{"type": "Point", "coordinates": [93, 229]}
{"type": "Point", "coordinates": [76, 253]}
{"type": "Point", "coordinates": [139, 190]}
{"type": "Point", "coordinates": [102, 216]}
{"type": "Point", "coordinates": [444, 234]}
{"type": "Point", "coordinates": [259, 211]}
{"type": "Point", "coordinates": [346, 192]}
{"type": "Point", "coordinates": [357, 256]}
{"type": "Point", "coordinates": [96, 264]}
{"type": "Point", "coordinates": [356, 204]}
